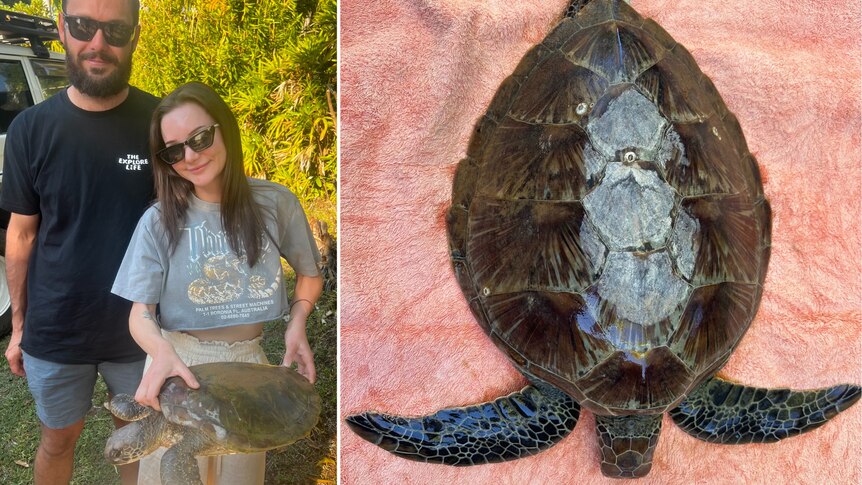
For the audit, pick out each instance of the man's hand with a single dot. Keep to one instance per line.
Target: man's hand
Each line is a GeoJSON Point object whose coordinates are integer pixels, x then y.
{"type": "Point", "coordinates": [14, 354]}
{"type": "Point", "coordinates": [20, 241]}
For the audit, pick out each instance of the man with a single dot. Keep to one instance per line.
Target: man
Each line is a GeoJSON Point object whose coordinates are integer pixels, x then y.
{"type": "Point", "coordinates": [77, 178]}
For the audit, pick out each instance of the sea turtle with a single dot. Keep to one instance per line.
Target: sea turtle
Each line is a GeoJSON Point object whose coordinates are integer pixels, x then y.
{"type": "Point", "coordinates": [239, 408]}
{"type": "Point", "coordinates": [610, 232]}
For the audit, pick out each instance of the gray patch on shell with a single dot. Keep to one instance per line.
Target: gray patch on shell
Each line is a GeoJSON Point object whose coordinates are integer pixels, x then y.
{"type": "Point", "coordinates": [219, 432]}
{"type": "Point", "coordinates": [594, 161]}
{"type": "Point", "coordinates": [630, 121]}
{"type": "Point", "coordinates": [682, 243]}
{"type": "Point", "coordinates": [182, 420]}
{"type": "Point", "coordinates": [670, 142]}
{"type": "Point", "coordinates": [642, 288]}
{"type": "Point", "coordinates": [194, 419]}
{"type": "Point", "coordinates": [631, 208]}
{"type": "Point", "coordinates": [592, 246]}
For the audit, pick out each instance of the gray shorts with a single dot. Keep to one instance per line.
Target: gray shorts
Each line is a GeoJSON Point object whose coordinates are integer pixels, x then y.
{"type": "Point", "coordinates": [64, 392]}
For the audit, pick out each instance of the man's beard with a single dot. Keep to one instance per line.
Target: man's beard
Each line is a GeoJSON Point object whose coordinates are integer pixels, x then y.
{"type": "Point", "coordinates": [98, 87]}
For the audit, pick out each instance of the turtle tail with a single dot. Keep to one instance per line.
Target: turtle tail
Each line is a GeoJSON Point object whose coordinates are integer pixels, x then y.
{"type": "Point", "coordinates": [514, 426]}
{"type": "Point", "coordinates": [723, 412]}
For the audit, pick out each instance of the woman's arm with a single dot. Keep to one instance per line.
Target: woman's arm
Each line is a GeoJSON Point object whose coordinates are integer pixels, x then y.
{"type": "Point", "coordinates": [308, 290]}
{"type": "Point", "coordinates": [166, 363]}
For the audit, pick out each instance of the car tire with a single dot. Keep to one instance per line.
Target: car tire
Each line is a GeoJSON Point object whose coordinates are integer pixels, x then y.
{"type": "Point", "coordinates": [5, 301]}
{"type": "Point", "coordinates": [6, 316]}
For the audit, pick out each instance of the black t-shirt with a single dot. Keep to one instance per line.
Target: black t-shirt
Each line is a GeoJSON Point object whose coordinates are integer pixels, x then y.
{"type": "Point", "coordinates": [87, 174]}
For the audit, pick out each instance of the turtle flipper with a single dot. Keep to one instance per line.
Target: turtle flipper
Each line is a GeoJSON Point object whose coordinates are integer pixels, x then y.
{"type": "Point", "coordinates": [126, 408]}
{"type": "Point", "coordinates": [723, 412]}
{"type": "Point", "coordinates": [514, 426]}
{"type": "Point", "coordinates": [628, 443]}
{"type": "Point", "coordinates": [179, 466]}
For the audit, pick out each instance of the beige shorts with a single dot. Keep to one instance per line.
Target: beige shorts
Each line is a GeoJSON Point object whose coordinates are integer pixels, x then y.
{"type": "Point", "coordinates": [245, 469]}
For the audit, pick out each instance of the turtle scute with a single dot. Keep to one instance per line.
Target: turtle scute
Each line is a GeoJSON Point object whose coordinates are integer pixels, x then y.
{"type": "Point", "coordinates": [610, 232]}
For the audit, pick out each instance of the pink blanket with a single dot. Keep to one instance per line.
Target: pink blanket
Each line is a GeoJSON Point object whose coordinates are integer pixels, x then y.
{"type": "Point", "coordinates": [417, 74]}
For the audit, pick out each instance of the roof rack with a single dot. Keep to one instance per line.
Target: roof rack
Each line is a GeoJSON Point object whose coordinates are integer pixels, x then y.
{"type": "Point", "coordinates": [19, 28]}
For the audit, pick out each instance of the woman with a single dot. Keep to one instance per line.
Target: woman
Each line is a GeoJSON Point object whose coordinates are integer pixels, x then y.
{"type": "Point", "coordinates": [207, 253]}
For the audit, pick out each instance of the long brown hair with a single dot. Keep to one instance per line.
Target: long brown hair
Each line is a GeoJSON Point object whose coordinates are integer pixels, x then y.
{"type": "Point", "coordinates": [240, 215]}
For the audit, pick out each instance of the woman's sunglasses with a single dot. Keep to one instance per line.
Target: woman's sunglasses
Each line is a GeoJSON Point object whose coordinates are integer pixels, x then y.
{"type": "Point", "coordinates": [198, 141]}
{"type": "Point", "coordinates": [117, 34]}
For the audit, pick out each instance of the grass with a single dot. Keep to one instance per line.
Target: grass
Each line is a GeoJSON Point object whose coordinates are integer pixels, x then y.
{"type": "Point", "coordinates": [309, 461]}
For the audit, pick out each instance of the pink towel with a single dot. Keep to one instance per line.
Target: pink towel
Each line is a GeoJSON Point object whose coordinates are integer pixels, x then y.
{"type": "Point", "coordinates": [417, 74]}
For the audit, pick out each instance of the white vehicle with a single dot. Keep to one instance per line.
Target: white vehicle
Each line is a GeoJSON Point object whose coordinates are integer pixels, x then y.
{"type": "Point", "coordinates": [29, 74]}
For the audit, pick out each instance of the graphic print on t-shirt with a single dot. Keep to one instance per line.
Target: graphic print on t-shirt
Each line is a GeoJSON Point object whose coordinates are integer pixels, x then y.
{"type": "Point", "coordinates": [133, 162]}
{"type": "Point", "coordinates": [221, 281]}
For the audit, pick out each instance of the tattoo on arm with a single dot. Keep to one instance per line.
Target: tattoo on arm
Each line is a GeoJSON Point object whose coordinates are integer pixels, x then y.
{"type": "Point", "coordinates": [149, 316]}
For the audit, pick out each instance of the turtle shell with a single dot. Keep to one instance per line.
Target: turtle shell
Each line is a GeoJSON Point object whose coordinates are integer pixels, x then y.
{"type": "Point", "coordinates": [608, 226]}
{"type": "Point", "coordinates": [245, 407]}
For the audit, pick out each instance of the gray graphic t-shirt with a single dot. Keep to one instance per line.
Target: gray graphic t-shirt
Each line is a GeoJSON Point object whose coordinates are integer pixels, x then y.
{"type": "Point", "coordinates": [204, 284]}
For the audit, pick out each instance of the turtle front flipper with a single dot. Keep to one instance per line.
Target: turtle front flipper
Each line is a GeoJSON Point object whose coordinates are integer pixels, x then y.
{"type": "Point", "coordinates": [723, 412]}
{"type": "Point", "coordinates": [179, 466]}
{"type": "Point", "coordinates": [514, 426]}
{"type": "Point", "coordinates": [627, 443]}
{"type": "Point", "coordinates": [126, 408]}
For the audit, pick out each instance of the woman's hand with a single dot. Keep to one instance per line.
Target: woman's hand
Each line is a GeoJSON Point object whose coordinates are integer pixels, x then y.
{"type": "Point", "coordinates": [144, 327]}
{"type": "Point", "coordinates": [307, 291]}
{"type": "Point", "coordinates": [166, 363]}
{"type": "Point", "coordinates": [297, 349]}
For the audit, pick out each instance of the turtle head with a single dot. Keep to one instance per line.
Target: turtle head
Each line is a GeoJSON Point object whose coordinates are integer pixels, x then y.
{"type": "Point", "coordinates": [136, 440]}
{"type": "Point", "coordinates": [126, 444]}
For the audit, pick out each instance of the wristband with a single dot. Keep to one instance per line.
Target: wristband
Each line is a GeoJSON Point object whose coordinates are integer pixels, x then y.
{"type": "Point", "coordinates": [299, 300]}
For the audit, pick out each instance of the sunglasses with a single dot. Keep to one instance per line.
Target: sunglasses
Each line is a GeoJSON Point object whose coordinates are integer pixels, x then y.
{"type": "Point", "coordinates": [117, 34]}
{"type": "Point", "coordinates": [198, 141]}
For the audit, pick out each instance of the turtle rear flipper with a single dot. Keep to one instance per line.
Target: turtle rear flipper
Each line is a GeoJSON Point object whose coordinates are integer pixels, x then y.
{"type": "Point", "coordinates": [723, 412]}
{"type": "Point", "coordinates": [514, 426]}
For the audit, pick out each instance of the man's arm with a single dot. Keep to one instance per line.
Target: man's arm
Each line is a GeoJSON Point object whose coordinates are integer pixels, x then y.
{"type": "Point", "coordinates": [20, 240]}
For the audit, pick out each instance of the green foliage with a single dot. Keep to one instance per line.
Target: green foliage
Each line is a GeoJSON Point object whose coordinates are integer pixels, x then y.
{"type": "Point", "coordinates": [273, 61]}
{"type": "Point", "coordinates": [35, 7]}
{"type": "Point", "coordinates": [40, 9]}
